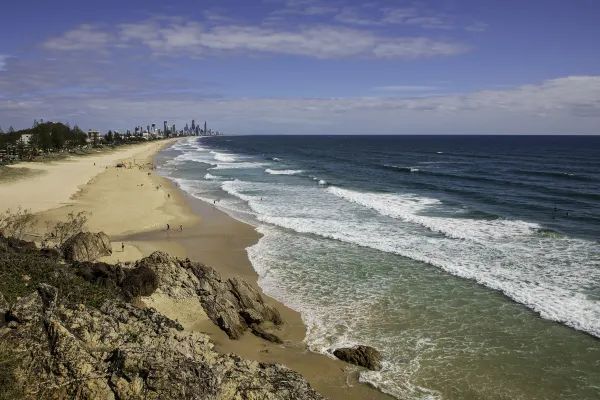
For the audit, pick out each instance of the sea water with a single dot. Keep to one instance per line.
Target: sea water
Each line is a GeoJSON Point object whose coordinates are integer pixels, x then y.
{"type": "Point", "coordinates": [471, 262]}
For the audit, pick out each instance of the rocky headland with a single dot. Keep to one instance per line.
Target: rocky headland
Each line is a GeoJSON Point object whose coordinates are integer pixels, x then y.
{"type": "Point", "coordinates": [78, 329]}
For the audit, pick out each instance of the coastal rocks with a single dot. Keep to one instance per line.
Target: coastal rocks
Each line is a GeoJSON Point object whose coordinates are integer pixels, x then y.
{"type": "Point", "coordinates": [122, 352]}
{"type": "Point", "coordinates": [86, 246]}
{"type": "Point", "coordinates": [364, 356]}
{"type": "Point", "coordinates": [231, 304]}
{"type": "Point", "coordinates": [140, 281]}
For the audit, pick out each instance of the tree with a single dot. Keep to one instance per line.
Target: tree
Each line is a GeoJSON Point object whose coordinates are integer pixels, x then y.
{"type": "Point", "coordinates": [35, 123]}
{"type": "Point", "coordinates": [58, 137]}
{"type": "Point", "coordinates": [109, 137]}
{"type": "Point", "coordinates": [61, 231]}
{"type": "Point", "coordinates": [80, 136]}
{"type": "Point", "coordinates": [11, 130]}
{"type": "Point", "coordinates": [17, 223]}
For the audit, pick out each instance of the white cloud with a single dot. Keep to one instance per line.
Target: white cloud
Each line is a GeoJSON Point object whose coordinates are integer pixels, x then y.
{"type": "Point", "coordinates": [565, 105]}
{"type": "Point", "coordinates": [3, 58]}
{"type": "Point", "coordinates": [318, 41]}
{"type": "Point", "coordinates": [85, 37]}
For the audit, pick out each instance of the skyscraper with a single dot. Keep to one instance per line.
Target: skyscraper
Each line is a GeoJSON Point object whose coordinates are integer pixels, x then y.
{"type": "Point", "coordinates": [165, 132]}
{"type": "Point", "coordinates": [193, 125]}
{"type": "Point", "coordinates": [205, 127]}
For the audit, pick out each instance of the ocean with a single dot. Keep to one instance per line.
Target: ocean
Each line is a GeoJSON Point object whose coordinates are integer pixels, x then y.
{"type": "Point", "coordinates": [471, 262]}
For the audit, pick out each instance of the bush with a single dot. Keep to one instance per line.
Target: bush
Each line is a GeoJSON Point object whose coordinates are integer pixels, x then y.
{"type": "Point", "coordinates": [62, 231]}
{"type": "Point", "coordinates": [16, 224]}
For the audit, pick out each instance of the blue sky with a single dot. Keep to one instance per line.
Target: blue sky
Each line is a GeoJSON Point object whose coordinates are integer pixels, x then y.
{"type": "Point", "coordinates": [305, 66]}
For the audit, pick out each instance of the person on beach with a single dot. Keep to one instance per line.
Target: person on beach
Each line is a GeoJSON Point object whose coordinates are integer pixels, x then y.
{"type": "Point", "coordinates": [122, 247]}
{"type": "Point", "coordinates": [169, 195]}
{"type": "Point", "coordinates": [168, 227]}
{"type": "Point", "coordinates": [181, 228]}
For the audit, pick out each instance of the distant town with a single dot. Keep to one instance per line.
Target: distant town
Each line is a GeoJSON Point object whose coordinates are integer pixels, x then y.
{"type": "Point", "coordinates": [45, 139]}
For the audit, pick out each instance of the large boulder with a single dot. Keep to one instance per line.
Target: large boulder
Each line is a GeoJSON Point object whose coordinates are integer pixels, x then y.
{"type": "Point", "coordinates": [86, 246]}
{"type": "Point", "coordinates": [232, 304]}
{"type": "Point", "coordinates": [364, 356]}
{"type": "Point", "coordinates": [123, 352]}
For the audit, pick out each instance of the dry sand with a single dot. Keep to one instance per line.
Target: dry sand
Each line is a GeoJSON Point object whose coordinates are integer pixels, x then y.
{"type": "Point", "coordinates": [126, 204]}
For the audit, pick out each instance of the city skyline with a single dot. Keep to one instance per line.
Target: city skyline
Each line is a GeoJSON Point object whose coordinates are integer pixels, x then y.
{"type": "Point", "coordinates": [306, 66]}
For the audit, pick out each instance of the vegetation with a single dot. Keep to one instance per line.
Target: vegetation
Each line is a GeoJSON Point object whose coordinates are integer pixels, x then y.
{"type": "Point", "coordinates": [53, 137]}
{"type": "Point", "coordinates": [16, 224]}
{"type": "Point", "coordinates": [23, 267]}
{"type": "Point", "coordinates": [61, 231]}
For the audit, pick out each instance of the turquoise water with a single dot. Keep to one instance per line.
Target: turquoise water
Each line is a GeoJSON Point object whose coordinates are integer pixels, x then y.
{"type": "Point", "coordinates": [441, 255]}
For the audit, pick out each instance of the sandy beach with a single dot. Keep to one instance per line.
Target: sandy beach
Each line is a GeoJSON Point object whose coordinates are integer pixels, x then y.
{"type": "Point", "coordinates": [133, 206]}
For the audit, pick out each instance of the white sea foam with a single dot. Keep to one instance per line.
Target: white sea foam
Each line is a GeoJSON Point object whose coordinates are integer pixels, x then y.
{"type": "Point", "coordinates": [224, 157]}
{"type": "Point", "coordinates": [239, 165]}
{"type": "Point", "coordinates": [546, 274]}
{"type": "Point", "coordinates": [407, 208]}
{"type": "Point", "coordinates": [211, 177]}
{"type": "Point", "coordinates": [283, 171]}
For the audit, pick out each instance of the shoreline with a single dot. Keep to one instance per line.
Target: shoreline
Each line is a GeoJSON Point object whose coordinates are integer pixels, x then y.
{"type": "Point", "coordinates": [133, 207]}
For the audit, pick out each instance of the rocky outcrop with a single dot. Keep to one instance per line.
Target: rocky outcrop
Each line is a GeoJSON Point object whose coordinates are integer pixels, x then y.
{"type": "Point", "coordinates": [122, 352]}
{"type": "Point", "coordinates": [87, 246]}
{"type": "Point", "coordinates": [128, 282]}
{"type": "Point", "coordinates": [232, 304]}
{"type": "Point", "coordinates": [364, 356]}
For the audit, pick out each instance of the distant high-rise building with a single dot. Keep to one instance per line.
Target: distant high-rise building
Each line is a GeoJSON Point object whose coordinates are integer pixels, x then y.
{"type": "Point", "coordinates": [193, 125]}
{"type": "Point", "coordinates": [153, 128]}
{"type": "Point", "coordinates": [173, 130]}
{"type": "Point", "coordinates": [166, 131]}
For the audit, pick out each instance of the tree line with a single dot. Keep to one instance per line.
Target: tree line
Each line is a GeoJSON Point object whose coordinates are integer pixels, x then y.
{"type": "Point", "coordinates": [54, 136]}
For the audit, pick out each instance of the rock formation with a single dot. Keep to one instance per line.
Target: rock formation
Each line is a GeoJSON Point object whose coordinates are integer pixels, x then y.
{"type": "Point", "coordinates": [122, 352]}
{"type": "Point", "coordinates": [232, 304]}
{"type": "Point", "coordinates": [86, 246]}
{"type": "Point", "coordinates": [364, 356]}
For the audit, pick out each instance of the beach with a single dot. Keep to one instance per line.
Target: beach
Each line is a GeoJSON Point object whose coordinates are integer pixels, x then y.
{"type": "Point", "coordinates": [133, 206]}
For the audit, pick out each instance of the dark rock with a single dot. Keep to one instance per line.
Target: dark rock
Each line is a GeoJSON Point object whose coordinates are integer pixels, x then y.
{"type": "Point", "coordinates": [48, 294]}
{"type": "Point", "coordinates": [52, 253]}
{"type": "Point", "coordinates": [18, 244]}
{"type": "Point", "coordinates": [251, 316]}
{"type": "Point", "coordinates": [140, 281]}
{"type": "Point", "coordinates": [107, 275]}
{"type": "Point", "coordinates": [364, 356]}
{"type": "Point", "coordinates": [87, 246]}
{"type": "Point", "coordinates": [261, 333]}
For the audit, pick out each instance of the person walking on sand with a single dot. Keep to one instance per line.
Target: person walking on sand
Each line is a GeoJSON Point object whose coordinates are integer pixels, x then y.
{"type": "Point", "coordinates": [168, 227]}
{"type": "Point", "coordinates": [122, 247]}
{"type": "Point", "coordinates": [181, 228]}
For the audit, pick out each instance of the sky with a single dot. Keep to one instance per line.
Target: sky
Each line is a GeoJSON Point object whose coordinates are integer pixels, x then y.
{"type": "Point", "coordinates": [304, 66]}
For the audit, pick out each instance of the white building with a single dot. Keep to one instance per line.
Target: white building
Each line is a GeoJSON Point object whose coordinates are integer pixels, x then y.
{"type": "Point", "coordinates": [26, 138]}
